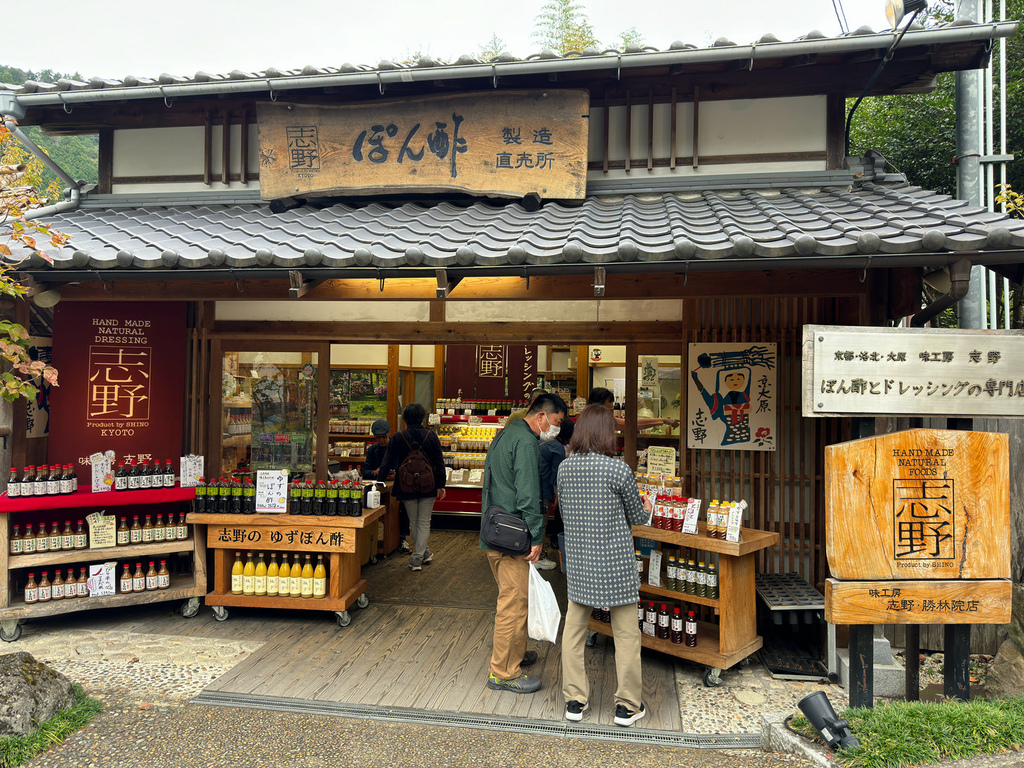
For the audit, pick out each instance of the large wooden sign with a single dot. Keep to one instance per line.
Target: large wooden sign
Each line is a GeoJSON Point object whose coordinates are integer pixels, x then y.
{"type": "Point", "coordinates": [308, 538]}
{"type": "Point", "coordinates": [506, 144]}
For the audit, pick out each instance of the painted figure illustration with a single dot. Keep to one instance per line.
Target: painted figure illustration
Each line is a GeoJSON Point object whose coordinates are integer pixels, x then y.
{"type": "Point", "coordinates": [730, 401]}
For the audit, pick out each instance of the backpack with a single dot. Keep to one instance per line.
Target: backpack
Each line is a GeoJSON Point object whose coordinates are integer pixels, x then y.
{"type": "Point", "coordinates": [415, 475]}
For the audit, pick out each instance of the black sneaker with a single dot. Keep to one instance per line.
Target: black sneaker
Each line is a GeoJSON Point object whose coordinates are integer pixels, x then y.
{"type": "Point", "coordinates": [521, 684]}
{"type": "Point", "coordinates": [428, 557]}
{"type": "Point", "coordinates": [574, 710]}
{"type": "Point", "coordinates": [624, 716]}
{"type": "Point", "coordinates": [529, 659]}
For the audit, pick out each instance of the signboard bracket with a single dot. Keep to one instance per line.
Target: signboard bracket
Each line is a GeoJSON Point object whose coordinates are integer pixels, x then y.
{"type": "Point", "coordinates": [299, 286]}
{"type": "Point", "coordinates": [445, 284]}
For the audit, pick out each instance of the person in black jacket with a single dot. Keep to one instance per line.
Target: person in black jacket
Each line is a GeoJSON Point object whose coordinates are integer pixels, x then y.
{"type": "Point", "coordinates": [419, 506]}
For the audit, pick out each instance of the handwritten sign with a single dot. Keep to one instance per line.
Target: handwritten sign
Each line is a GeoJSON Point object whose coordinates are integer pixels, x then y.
{"type": "Point", "coordinates": [309, 538]}
{"type": "Point", "coordinates": [272, 491]}
{"type": "Point", "coordinates": [191, 470]}
{"type": "Point", "coordinates": [661, 460]}
{"type": "Point", "coordinates": [102, 530]}
{"type": "Point", "coordinates": [692, 516]}
{"type": "Point", "coordinates": [102, 476]}
{"type": "Point", "coordinates": [507, 144]}
{"type": "Point", "coordinates": [101, 579]}
{"type": "Point", "coordinates": [654, 569]}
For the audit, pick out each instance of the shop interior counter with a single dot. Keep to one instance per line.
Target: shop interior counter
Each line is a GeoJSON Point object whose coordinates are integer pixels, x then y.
{"type": "Point", "coordinates": [340, 539]}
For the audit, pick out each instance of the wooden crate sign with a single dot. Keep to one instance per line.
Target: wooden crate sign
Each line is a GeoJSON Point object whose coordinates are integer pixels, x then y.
{"type": "Point", "coordinates": [919, 504]}
{"type": "Point", "coordinates": [506, 144]}
{"type": "Point", "coordinates": [918, 602]}
{"type": "Point", "coordinates": [308, 538]}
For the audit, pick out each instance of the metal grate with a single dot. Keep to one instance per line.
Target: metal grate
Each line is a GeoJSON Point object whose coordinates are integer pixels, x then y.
{"type": "Point", "coordinates": [482, 722]}
{"type": "Point", "coordinates": [787, 592]}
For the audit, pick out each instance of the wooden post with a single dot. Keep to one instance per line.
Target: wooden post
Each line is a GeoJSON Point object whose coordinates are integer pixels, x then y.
{"type": "Point", "coordinates": [956, 676]}
{"type": "Point", "coordinates": [862, 665]}
{"type": "Point", "coordinates": [912, 660]}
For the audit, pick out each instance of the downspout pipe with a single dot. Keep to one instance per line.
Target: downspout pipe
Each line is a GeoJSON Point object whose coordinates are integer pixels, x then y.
{"type": "Point", "coordinates": [11, 112]}
{"type": "Point", "coordinates": [959, 282]}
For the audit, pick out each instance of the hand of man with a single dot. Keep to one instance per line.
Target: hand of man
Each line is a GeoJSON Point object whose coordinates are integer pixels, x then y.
{"type": "Point", "coordinates": [674, 423]}
{"type": "Point", "coordinates": [440, 494]}
{"type": "Point", "coordinates": [534, 554]}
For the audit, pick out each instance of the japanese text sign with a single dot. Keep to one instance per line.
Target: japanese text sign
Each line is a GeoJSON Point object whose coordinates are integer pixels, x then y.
{"type": "Point", "coordinates": [919, 504]}
{"type": "Point", "coordinates": [918, 602]}
{"type": "Point", "coordinates": [912, 372]}
{"type": "Point", "coordinates": [506, 144]}
{"type": "Point", "coordinates": [308, 538]}
{"type": "Point", "coordinates": [272, 491]}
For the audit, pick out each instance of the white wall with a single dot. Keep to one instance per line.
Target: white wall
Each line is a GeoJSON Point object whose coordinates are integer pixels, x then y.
{"type": "Point", "coordinates": [563, 311]}
{"type": "Point", "coordinates": [326, 311]}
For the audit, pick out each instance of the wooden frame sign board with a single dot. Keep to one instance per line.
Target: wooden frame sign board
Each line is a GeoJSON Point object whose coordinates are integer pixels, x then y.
{"type": "Point", "coordinates": [506, 144]}
{"type": "Point", "coordinates": [918, 528]}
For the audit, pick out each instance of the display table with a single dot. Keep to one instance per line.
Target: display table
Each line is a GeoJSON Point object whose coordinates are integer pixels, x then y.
{"type": "Point", "coordinates": [734, 638]}
{"type": "Point", "coordinates": [34, 509]}
{"type": "Point", "coordinates": [342, 539]}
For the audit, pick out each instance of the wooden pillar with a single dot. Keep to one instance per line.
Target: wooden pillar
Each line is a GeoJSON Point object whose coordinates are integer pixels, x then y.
{"type": "Point", "coordinates": [862, 665]}
{"type": "Point", "coordinates": [323, 408]}
{"type": "Point", "coordinates": [912, 660]}
{"type": "Point", "coordinates": [956, 682]}
{"type": "Point", "coordinates": [629, 441]}
{"type": "Point", "coordinates": [393, 374]}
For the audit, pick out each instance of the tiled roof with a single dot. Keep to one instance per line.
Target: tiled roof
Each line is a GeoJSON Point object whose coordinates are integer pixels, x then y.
{"type": "Point", "coordinates": [722, 51]}
{"type": "Point", "coordinates": [869, 219]}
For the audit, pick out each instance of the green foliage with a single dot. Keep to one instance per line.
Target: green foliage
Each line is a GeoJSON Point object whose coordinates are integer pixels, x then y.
{"type": "Point", "coordinates": [631, 37]}
{"type": "Point", "coordinates": [562, 26]}
{"type": "Point", "coordinates": [15, 750]}
{"type": "Point", "coordinates": [492, 48]}
{"type": "Point", "coordinates": [17, 76]}
{"type": "Point", "coordinates": [903, 734]}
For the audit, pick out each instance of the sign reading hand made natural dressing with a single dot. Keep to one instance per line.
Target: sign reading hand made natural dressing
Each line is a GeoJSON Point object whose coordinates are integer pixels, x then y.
{"type": "Point", "coordinates": [505, 144]}
{"type": "Point", "coordinates": [917, 528]}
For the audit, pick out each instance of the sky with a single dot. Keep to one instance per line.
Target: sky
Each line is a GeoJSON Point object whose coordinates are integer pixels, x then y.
{"type": "Point", "coordinates": [116, 38]}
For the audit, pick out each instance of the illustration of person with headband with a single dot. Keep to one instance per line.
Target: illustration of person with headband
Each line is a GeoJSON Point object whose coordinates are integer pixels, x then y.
{"type": "Point", "coordinates": [730, 402]}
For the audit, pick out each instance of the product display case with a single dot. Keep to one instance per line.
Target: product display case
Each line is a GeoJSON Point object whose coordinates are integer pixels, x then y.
{"type": "Point", "coordinates": [187, 582]}
{"type": "Point", "coordinates": [464, 443]}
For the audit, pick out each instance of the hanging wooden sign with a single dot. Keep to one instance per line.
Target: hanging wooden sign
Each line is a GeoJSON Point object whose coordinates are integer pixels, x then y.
{"type": "Point", "coordinates": [506, 144]}
{"type": "Point", "coordinates": [960, 601]}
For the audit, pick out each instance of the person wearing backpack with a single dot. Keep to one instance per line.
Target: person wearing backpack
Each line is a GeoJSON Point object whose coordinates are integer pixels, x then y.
{"type": "Point", "coordinates": [415, 455]}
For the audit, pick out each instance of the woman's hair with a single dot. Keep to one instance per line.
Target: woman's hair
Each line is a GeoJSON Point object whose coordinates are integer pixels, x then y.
{"type": "Point", "coordinates": [594, 432]}
{"type": "Point", "coordinates": [600, 395]}
{"type": "Point", "coordinates": [565, 431]}
{"type": "Point", "coordinates": [414, 414]}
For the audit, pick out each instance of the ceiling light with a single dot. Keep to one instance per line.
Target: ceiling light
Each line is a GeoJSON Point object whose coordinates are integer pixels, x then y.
{"type": "Point", "coordinates": [895, 10]}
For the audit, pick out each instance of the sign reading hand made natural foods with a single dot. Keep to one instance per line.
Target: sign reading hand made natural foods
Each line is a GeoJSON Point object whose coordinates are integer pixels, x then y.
{"type": "Point", "coordinates": [918, 528]}
{"type": "Point", "coordinates": [505, 144]}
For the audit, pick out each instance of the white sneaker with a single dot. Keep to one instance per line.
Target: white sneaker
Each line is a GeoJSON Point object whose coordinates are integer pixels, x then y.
{"type": "Point", "coordinates": [545, 565]}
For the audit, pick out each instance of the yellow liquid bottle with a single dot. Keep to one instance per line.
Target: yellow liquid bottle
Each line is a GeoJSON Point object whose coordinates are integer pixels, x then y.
{"type": "Point", "coordinates": [249, 576]}
{"type": "Point", "coordinates": [319, 578]}
{"type": "Point", "coordinates": [307, 577]}
{"type": "Point", "coordinates": [272, 577]}
{"type": "Point", "coordinates": [261, 577]}
{"type": "Point", "coordinates": [236, 575]}
{"type": "Point", "coordinates": [295, 581]}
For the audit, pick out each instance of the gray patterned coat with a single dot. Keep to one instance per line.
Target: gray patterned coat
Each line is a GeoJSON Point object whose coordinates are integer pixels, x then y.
{"type": "Point", "coordinates": [600, 503]}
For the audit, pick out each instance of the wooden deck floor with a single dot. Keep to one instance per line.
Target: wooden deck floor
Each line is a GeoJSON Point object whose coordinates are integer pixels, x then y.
{"type": "Point", "coordinates": [424, 642]}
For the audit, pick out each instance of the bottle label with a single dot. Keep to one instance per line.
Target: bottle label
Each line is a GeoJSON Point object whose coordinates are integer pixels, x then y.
{"type": "Point", "coordinates": [260, 585]}
{"type": "Point", "coordinates": [83, 589]}
{"type": "Point", "coordinates": [65, 485]}
{"type": "Point", "coordinates": [122, 538]}
{"type": "Point", "coordinates": [126, 585]}
{"type": "Point", "coordinates": [81, 541]}
{"type": "Point", "coordinates": [133, 482]}
{"type": "Point", "coordinates": [31, 595]}
{"type": "Point", "coordinates": [139, 584]}
{"type": "Point", "coordinates": [712, 580]}
{"type": "Point", "coordinates": [17, 546]}
{"type": "Point", "coordinates": [151, 582]}
{"type": "Point", "coordinates": [57, 592]}
{"type": "Point", "coordinates": [67, 541]}
{"type": "Point", "coordinates": [320, 587]}
{"type": "Point", "coordinates": [53, 487]}
{"type": "Point", "coordinates": [182, 531]}
{"type": "Point", "coordinates": [44, 594]}
{"type": "Point", "coordinates": [55, 543]}
{"type": "Point", "coordinates": [42, 543]}
{"type": "Point", "coordinates": [13, 489]}
{"type": "Point", "coordinates": [136, 535]}
{"type": "Point", "coordinates": [248, 585]}
{"type": "Point", "coordinates": [168, 479]}
{"type": "Point", "coordinates": [171, 532]}
{"type": "Point", "coordinates": [121, 483]}
{"type": "Point", "coordinates": [649, 628]}
{"type": "Point", "coordinates": [295, 586]}
{"type": "Point", "coordinates": [271, 585]}
{"type": "Point", "coordinates": [702, 578]}
{"type": "Point", "coordinates": [307, 587]}
{"type": "Point", "coordinates": [163, 580]}
{"type": "Point", "coordinates": [663, 620]}
{"type": "Point", "coordinates": [147, 535]}
{"type": "Point", "coordinates": [691, 627]}
{"type": "Point", "coordinates": [677, 624]}
{"type": "Point", "coordinates": [28, 546]}
{"type": "Point", "coordinates": [236, 582]}
{"type": "Point", "coordinates": [158, 533]}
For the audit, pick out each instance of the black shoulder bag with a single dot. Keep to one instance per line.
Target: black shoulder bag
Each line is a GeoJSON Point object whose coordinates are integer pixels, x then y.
{"type": "Point", "coordinates": [499, 530]}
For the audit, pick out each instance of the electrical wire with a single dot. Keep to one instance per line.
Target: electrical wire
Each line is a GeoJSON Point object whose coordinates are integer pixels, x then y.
{"type": "Point", "coordinates": [844, 25]}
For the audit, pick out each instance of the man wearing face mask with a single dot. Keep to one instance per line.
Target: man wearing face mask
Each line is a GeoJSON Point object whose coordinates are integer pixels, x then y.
{"type": "Point", "coordinates": [512, 472]}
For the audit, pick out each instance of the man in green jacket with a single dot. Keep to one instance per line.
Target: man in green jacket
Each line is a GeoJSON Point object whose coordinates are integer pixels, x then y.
{"type": "Point", "coordinates": [512, 482]}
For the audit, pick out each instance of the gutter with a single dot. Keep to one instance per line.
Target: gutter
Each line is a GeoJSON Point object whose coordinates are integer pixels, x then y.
{"type": "Point", "coordinates": [12, 111]}
{"type": "Point", "coordinates": [959, 282]}
{"type": "Point", "coordinates": [276, 83]}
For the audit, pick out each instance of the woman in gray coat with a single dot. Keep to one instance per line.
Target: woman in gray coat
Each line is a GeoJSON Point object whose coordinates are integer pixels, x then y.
{"type": "Point", "coordinates": [600, 503]}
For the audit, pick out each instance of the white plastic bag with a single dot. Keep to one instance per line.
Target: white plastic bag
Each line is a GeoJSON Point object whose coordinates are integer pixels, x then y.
{"type": "Point", "coordinates": [545, 615]}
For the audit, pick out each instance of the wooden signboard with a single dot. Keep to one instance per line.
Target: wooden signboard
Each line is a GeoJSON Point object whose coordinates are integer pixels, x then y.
{"type": "Point", "coordinates": [921, 504]}
{"type": "Point", "coordinates": [308, 538]}
{"type": "Point", "coordinates": [963, 601]}
{"type": "Point", "coordinates": [506, 144]}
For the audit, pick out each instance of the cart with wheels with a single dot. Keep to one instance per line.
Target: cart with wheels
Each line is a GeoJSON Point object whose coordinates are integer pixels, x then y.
{"type": "Point", "coordinates": [340, 539]}
{"type": "Point", "coordinates": [734, 638]}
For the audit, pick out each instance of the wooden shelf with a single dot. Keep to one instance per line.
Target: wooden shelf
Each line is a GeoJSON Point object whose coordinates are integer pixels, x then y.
{"type": "Point", "coordinates": [327, 603]}
{"type": "Point", "coordinates": [182, 588]}
{"type": "Point", "coordinates": [682, 597]}
{"type": "Point", "coordinates": [705, 652]}
{"type": "Point", "coordinates": [84, 497]}
{"type": "Point", "coordinates": [359, 436]}
{"type": "Point", "coordinates": [751, 539]}
{"type": "Point", "coordinates": [126, 552]}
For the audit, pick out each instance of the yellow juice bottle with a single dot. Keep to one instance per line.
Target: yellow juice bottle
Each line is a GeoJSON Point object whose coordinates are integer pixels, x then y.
{"type": "Point", "coordinates": [261, 576]}
{"type": "Point", "coordinates": [249, 576]}
{"type": "Point", "coordinates": [295, 580]}
{"type": "Point", "coordinates": [272, 577]}
{"type": "Point", "coordinates": [307, 578]}
{"type": "Point", "coordinates": [319, 578]}
{"type": "Point", "coordinates": [236, 575]}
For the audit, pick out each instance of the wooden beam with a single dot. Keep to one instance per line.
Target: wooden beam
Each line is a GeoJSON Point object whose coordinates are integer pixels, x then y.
{"type": "Point", "coordinates": [835, 132]}
{"type": "Point", "coordinates": [105, 170]}
{"type": "Point", "coordinates": [225, 148]}
{"type": "Point", "coordinates": [672, 132]}
{"type": "Point", "coordinates": [696, 125]}
{"type": "Point", "coordinates": [243, 149]}
{"type": "Point", "coordinates": [207, 150]}
{"type": "Point", "coordinates": [393, 387]}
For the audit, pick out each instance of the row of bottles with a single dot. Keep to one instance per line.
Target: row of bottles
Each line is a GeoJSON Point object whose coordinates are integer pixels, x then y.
{"type": "Point", "coordinates": [150, 532]}
{"type": "Point", "coordinates": [297, 580]}
{"type": "Point", "coordinates": [222, 496]}
{"type": "Point", "coordinates": [239, 424]}
{"type": "Point", "coordinates": [150, 581]}
{"type": "Point", "coordinates": [683, 573]}
{"type": "Point", "coordinates": [143, 477]}
{"type": "Point", "coordinates": [56, 480]}
{"type": "Point", "coordinates": [667, 626]}
{"type": "Point", "coordinates": [479, 407]}
{"type": "Point", "coordinates": [38, 540]}
{"type": "Point", "coordinates": [59, 589]}
{"type": "Point", "coordinates": [718, 516]}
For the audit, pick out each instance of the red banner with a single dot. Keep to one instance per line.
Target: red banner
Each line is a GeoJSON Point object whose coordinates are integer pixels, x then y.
{"type": "Point", "coordinates": [491, 371]}
{"type": "Point", "coordinates": [122, 382]}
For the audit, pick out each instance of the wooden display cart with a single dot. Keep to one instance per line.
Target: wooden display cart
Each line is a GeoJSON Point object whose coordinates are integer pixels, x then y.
{"type": "Point", "coordinates": [342, 539]}
{"type": "Point", "coordinates": [734, 638]}
{"type": "Point", "coordinates": [14, 610]}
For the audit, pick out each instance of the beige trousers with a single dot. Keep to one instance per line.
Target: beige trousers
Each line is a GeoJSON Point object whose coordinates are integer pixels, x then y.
{"type": "Point", "coordinates": [512, 574]}
{"type": "Point", "coordinates": [626, 632]}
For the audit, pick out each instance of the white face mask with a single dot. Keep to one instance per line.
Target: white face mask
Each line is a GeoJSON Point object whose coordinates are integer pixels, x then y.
{"type": "Point", "coordinates": [551, 432]}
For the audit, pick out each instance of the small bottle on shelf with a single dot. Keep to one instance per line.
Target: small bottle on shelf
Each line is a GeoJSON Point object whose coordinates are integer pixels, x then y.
{"type": "Point", "coordinates": [295, 578]}
{"type": "Point", "coordinates": [145, 476]}
{"type": "Point", "coordinates": [28, 541]}
{"type": "Point", "coordinates": [57, 587]}
{"type": "Point", "coordinates": [17, 544]}
{"type": "Point", "coordinates": [81, 538]}
{"type": "Point", "coordinates": [260, 579]}
{"type": "Point", "coordinates": [42, 539]}
{"type": "Point", "coordinates": [332, 498]}
{"type": "Point", "coordinates": [83, 584]}
{"type": "Point", "coordinates": [249, 497]}
{"type": "Point", "coordinates": [121, 477]}
{"type": "Point", "coordinates": [199, 504]}
{"type": "Point", "coordinates": [159, 530]}
{"type": "Point", "coordinates": [126, 579]}
{"type": "Point", "coordinates": [236, 496]}
{"type": "Point", "coordinates": [147, 530]}
{"type": "Point", "coordinates": [249, 576]}
{"type": "Point", "coordinates": [182, 532]}
{"type": "Point", "coordinates": [640, 614]}
{"type": "Point", "coordinates": [663, 629]}
{"type": "Point", "coordinates": [133, 476]}
{"type": "Point", "coordinates": [295, 498]}
{"type": "Point", "coordinates": [272, 576]}
{"type": "Point", "coordinates": [691, 630]}
{"type": "Point", "coordinates": [31, 590]}
{"type": "Point", "coordinates": [151, 577]}
{"type": "Point", "coordinates": [677, 626]}
{"type": "Point", "coordinates": [53, 481]}
{"type": "Point", "coordinates": [67, 536]}
{"type": "Point", "coordinates": [319, 578]}
{"type": "Point", "coordinates": [123, 534]}
{"type": "Point", "coordinates": [650, 619]}
{"type": "Point", "coordinates": [168, 474]}
{"type": "Point", "coordinates": [44, 588]}
{"type": "Point", "coordinates": [56, 540]}
{"type": "Point", "coordinates": [70, 585]}
{"type": "Point", "coordinates": [163, 576]}
{"type": "Point", "coordinates": [306, 583]}
{"type": "Point", "coordinates": [712, 581]}
{"type": "Point", "coordinates": [138, 579]}
{"type": "Point", "coordinates": [170, 529]}
{"type": "Point", "coordinates": [67, 484]}
{"type": "Point", "coordinates": [13, 484]}
{"type": "Point", "coordinates": [236, 574]}
{"type": "Point", "coordinates": [135, 532]}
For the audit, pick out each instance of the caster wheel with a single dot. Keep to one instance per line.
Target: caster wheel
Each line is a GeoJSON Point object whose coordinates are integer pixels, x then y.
{"type": "Point", "coordinates": [744, 663]}
{"type": "Point", "coordinates": [220, 613]}
{"type": "Point", "coordinates": [190, 608]}
{"type": "Point", "coordinates": [9, 636]}
{"type": "Point", "coordinates": [712, 677]}
{"type": "Point", "coordinates": [591, 639]}
{"type": "Point", "coordinates": [373, 560]}
{"type": "Point", "coordinates": [362, 601]}
{"type": "Point", "coordinates": [344, 618]}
